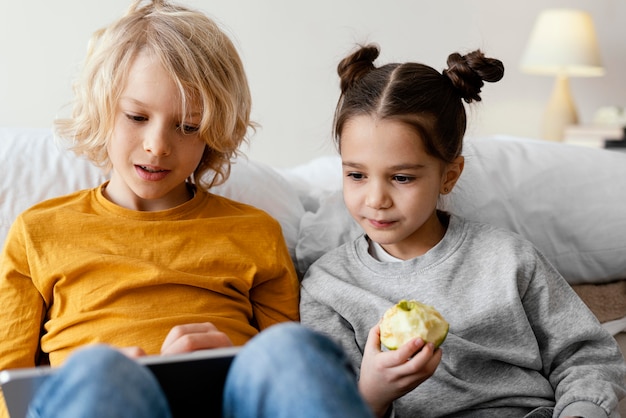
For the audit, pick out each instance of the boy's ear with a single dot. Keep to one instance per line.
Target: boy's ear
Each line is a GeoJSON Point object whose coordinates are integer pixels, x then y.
{"type": "Point", "coordinates": [451, 174]}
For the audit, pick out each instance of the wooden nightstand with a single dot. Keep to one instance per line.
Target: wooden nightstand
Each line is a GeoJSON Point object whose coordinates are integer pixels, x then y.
{"type": "Point", "coordinates": [596, 136]}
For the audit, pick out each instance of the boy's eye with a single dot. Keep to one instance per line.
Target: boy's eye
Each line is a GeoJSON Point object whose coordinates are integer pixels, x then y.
{"type": "Point", "coordinates": [189, 129]}
{"type": "Point", "coordinates": [136, 118]}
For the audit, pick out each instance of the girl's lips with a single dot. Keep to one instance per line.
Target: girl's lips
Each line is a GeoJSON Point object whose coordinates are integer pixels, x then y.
{"type": "Point", "coordinates": [380, 224]}
{"type": "Point", "coordinates": [150, 173]}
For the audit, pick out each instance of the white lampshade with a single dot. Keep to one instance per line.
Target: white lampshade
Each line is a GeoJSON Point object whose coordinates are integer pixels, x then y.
{"type": "Point", "coordinates": [563, 41]}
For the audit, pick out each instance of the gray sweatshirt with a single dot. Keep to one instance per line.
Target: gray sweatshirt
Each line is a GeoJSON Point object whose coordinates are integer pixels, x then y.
{"type": "Point", "coordinates": [519, 338]}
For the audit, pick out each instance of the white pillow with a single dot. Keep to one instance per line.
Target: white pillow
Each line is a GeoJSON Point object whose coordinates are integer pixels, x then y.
{"type": "Point", "coordinates": [570, 201]}
{"type": "Point", "coordinates": [327, 228]}
{"type": "Point", "coordinates": [314, 180]}
{"type": "Point", "coordinates": [259, 185]}
{"type": "Point", "coordinates": [36, 168]}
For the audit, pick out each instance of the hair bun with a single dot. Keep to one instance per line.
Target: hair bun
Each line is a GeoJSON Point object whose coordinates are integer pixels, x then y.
{"type": "Point", "coordinates": [469, 72]}
{"type": "Point", "coordinates": [355, 66]}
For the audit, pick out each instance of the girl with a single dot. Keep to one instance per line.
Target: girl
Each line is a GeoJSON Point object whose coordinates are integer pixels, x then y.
{"type": "Point", "coordinates": [150, 261]}
{"type": "Point", "coordinates": [520, 341]}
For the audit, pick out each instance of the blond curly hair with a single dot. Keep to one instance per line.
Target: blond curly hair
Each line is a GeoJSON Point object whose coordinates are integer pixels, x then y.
{"type": "Point", "coordinates": [200, 58]}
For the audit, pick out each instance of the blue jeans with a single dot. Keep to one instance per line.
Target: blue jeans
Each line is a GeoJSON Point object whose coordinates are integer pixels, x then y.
{"type": "Point", "coordinates": [285, 371]}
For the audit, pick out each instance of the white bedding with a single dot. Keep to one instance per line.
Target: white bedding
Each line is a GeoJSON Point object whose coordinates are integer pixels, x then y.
{"type": "Point", "coordinates": [616, 326]}
{"type": "Point", "coordinates": [570, 201]}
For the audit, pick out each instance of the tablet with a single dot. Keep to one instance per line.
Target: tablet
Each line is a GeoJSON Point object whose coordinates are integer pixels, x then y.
{"type": "Point", "coordinates": [192, 382]}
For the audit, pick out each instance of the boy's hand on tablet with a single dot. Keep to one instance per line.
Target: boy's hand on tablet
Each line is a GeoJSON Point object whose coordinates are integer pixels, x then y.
{"type": "Point", "coordinates": [132, 352]}
{"type": "Point", "coordinates": [193, 337]}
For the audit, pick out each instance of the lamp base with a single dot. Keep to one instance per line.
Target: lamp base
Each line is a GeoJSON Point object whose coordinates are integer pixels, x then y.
{"type": "Point", "coordinates": [561, 111]}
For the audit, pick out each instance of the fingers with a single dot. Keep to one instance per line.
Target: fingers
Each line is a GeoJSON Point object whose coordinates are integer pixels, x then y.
{"type": "Point", "coordinates": [405, 353]}
{"type": "Point", "coordinates": [388, 375]}
{"type": "Point", "coordinates": [415, 358]}
{"type": "Point", "coordinates": [192, 337]}
{"type": "Point", "coordinates": [181, 331]}
{"type": "Point", "coordinates": [410, 349]}
{"type": "Point", "coordinates": [372, 345]}
{"type": "Point", "coordinates": [132, 352]}
{"type": "Point", "coordinates": [425, 361]}
{"type": "Point", "coordinates": [433, 362]}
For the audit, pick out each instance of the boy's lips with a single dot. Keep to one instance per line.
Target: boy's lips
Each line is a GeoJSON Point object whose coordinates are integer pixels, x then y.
{"type": "Point", "coordinates": [151, 168]}
{"type": "Point", "coordinates": [151, 173]}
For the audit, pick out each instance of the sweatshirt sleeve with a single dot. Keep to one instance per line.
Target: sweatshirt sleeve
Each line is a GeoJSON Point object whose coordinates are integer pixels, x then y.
{"type": "Point", "coordinates": [580, 358]}
{"type": "Point", "coordinates": [320, 316]}
{"type": "Point", "coordinates": [327, 305]}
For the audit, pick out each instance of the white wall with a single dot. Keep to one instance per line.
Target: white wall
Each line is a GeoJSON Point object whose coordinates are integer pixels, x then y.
{"type": "Point", "coordinates": [291, 49]}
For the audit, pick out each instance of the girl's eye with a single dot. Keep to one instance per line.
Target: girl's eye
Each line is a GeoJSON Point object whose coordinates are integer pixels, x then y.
{"type": "Point", "coordinates": [356, 176]}
{"type": "Point", "coordinates": [403, 179]}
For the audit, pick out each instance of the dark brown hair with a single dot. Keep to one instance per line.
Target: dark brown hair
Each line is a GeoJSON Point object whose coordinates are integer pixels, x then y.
{"type": "Point", "coordinates": [429, 101]}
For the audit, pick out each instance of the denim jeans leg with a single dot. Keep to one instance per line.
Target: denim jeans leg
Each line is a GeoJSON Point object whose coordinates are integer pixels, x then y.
{"type": "Point", "coordinates": [99, 382]}
{"type": "Point", "coordinates": [290, 371]}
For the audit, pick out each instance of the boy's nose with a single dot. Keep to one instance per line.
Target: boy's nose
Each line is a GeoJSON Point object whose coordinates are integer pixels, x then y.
{"type": "Point", "coordinates": [157, 141]}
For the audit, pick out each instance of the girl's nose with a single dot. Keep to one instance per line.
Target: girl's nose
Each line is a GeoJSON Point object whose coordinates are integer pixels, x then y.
{"type": "Point", "coordinates": [377, 197]}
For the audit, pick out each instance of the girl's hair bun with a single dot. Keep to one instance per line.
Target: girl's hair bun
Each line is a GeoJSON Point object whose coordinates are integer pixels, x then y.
{"type": "Point", "coordinates": [355, 66]}
{"type": "Point", "coordinates": [469, 72]}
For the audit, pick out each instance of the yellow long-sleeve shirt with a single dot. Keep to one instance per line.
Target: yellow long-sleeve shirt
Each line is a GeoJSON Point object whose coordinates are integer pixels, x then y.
{"type": "Point", "coordinates": [79, 269]}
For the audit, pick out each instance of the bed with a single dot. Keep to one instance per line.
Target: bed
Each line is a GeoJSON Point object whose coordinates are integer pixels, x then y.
{"type": "Point", "coordinates": [570, 201]}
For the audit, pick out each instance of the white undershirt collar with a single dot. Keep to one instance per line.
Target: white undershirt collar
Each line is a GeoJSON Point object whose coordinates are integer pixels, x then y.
{"type": "Point", "coordinates": [378, 252]}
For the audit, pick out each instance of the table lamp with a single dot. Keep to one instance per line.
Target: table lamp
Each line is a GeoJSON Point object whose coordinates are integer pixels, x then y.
{"type": "Point", "coordinates": [563, 43]}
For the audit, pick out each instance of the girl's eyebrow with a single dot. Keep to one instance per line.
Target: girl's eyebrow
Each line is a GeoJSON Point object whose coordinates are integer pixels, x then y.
{"type": "Point", "coordinates": [408, 166]}
{"type": "Point", "coordinates": [398, 167]}
{"type": "Point", "coordinates": [351, 164]}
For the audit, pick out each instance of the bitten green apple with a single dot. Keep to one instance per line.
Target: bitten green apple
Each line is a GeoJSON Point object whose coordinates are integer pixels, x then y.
{"type": "Point", "coordinates": [410, 319]}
